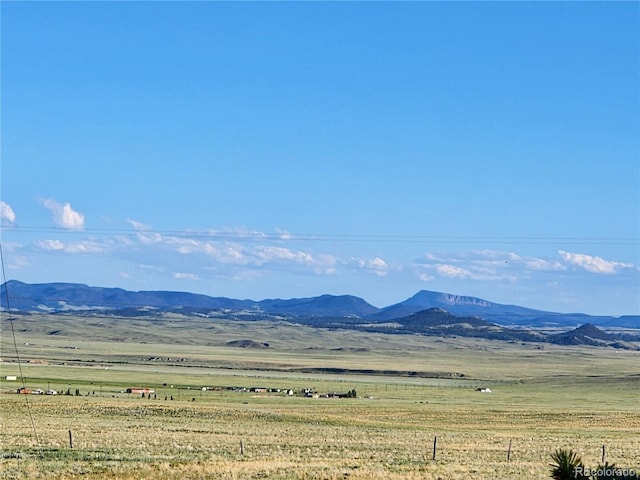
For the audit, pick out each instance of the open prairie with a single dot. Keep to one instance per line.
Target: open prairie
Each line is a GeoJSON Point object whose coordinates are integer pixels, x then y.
{"type": "Point", "coordinates": [217, 410]}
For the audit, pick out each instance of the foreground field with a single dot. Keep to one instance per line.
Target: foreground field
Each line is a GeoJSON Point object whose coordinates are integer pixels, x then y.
{"type": "Point", "coordinates": [579, 398]}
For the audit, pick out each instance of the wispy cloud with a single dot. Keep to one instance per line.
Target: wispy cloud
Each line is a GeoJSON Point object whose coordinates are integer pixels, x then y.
{"type": "Point", "coordinates": [278, 257]}
{"type": "Point", "coordinates": [14, 258]}
{"type": "Point", "coordinates": [146, 266]}
{"type": "Point", "coordinates": [376, 265]}
{"type": "Point", "coordinates": [284, 235]}
{"type": "Point", "coordinates": [455, 272]}
{"type": "Point", "coordinates": [82, 246]}
{"type": "Point", "coordinates": [542, 264]}
{"type": "Point", "coordinates": [473, 272]}
{"type": "Point", "coordinates": [149, 238]}
{"type": "Point", "coordinates": [138, 225]}
{"type": "Point", "coordinates": [425, 277]}
{"type": "Point", "coordinates": [230, 249]}
{"type": "Point", "coordinates": [243, 256]}
{"type": "Point", "coordinates": [243, 275]}
{"type": "Point", "coordinates": [7, 215]}
{"type": "Point", "coordinates": [185, 276]}
{"type": "Point", "coordinates": [592, 263]}
{"type": "Point", "coordinates": [50, 245]}
{"type": "Point", "coordinates": [64, 215]}
{"type": "Point", "coordinates": [483, 265]}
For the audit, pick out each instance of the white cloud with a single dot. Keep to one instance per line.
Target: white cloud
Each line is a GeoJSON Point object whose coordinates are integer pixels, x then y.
{"type": "Point", "coordinates": [497, 266]}
{"type": "Point", "coordinates": [50, 245]}
{"type": "Point", "coordinates": [474, 272]}
{"type": "Point", "coordinates": [442, 257]}
{"type": "Point", "coordinates": [185, 276]}
{"type": "Point", "coordinates": [63, 215]}
{"type": "Point", "coordinates": [245, 275]}
{"type": "Point", "coordinates": [149, 238]}
{"type": "Point", "coordinates": [376, 265]}
{"type": "Point", "coordinates": [543, 264]}
{"type": "Point", "coordinates": [426, 277]}
{"type": "Point", "coordinates": [273, 254]}
{"type": "Point", "coordinates": [269, 256]}
{"type": "Point", "coordinates": [231, 254]}
{"type": "Point", "coordinates": [487, 264]}
{"type": "Point", "coordinates": [154, 268]}
{"type": "Point", "coordinates": [499, 260]}
{"type": "Point", "coordinates": [252, 250]}
{"type": "Point", "coordinates": [188, 246]}
{"type": "Point", "coordinates": [123, 240]}
{"type": "Point", "coordinates": [7, 215]}
{"type": "Point", "coordinates": [593, 264]}
{"type": "Point", "coordinates": [84, 246]}
{"type": "Point", "coordinates": [284, 235]}
{"type": "Point", "coordinates": [236, 233]}
{"type": "Point", "coordinates": [16, 260]}
{"type": "Point", "coordinates": [137, 225]}
{"type": "Point", "coordinates": [452, 271]}
{"type": "Point", "coordinates": [223, 253]}
{"type": "Point", "coordinates": [479, 265]}
{"type": "Point", "coordinates": [325, 263]}
{"type": "Point", "coordinates": [18, 263]}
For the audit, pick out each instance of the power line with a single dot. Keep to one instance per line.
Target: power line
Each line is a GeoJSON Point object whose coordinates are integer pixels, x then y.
{"type": "Point", "coordinates": [15, 345]}
{"type": "Point", "coordinates": [240, 236]}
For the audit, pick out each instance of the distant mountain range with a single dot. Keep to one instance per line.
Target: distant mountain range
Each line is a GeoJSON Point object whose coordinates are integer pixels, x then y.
{"type": "Point", "coordinates": [325, 309]}
{"type": "Point", "coordinates": [426, 313]}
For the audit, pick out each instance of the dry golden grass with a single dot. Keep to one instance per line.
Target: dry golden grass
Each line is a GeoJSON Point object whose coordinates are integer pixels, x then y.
{"type": "Point", "coordinates": [126, 437]}
{"type": "Point", "coordinates": [578, 398]}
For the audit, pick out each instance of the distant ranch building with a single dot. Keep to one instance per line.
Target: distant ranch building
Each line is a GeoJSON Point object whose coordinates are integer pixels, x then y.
{"type": "Point", "coordinates": [484, 390]}
{"type": "Point", "coordinates": [140, 390]}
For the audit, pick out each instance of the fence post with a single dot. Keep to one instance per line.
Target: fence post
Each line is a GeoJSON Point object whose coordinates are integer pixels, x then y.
{"type": "Point", "coordinates": [70, 440]}
{"type": "Point", "coordinates": [241, 448]}
{"type": "Point", "coordinates": [603, 454]}
{"type": "Point", "coordinates": [509, 452]}
{"type": "Point", "coordinates": [435, 442]}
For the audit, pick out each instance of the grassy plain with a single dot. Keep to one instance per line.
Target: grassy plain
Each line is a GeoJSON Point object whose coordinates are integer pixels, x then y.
{"type": "Point", "coordinates": [410, 388]}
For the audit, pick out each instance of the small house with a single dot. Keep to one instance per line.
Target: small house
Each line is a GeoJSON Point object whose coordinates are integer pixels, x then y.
{"type": "Point", "coordinates": [140, 390]}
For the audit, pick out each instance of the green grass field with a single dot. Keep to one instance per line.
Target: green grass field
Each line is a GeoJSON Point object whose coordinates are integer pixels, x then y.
{"type": "Point", "coordinates": [410, 388]}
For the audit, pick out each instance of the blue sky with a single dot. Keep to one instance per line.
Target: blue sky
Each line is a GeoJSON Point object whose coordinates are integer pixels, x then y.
{"type": "Point", "coordinates": [292, 149]}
